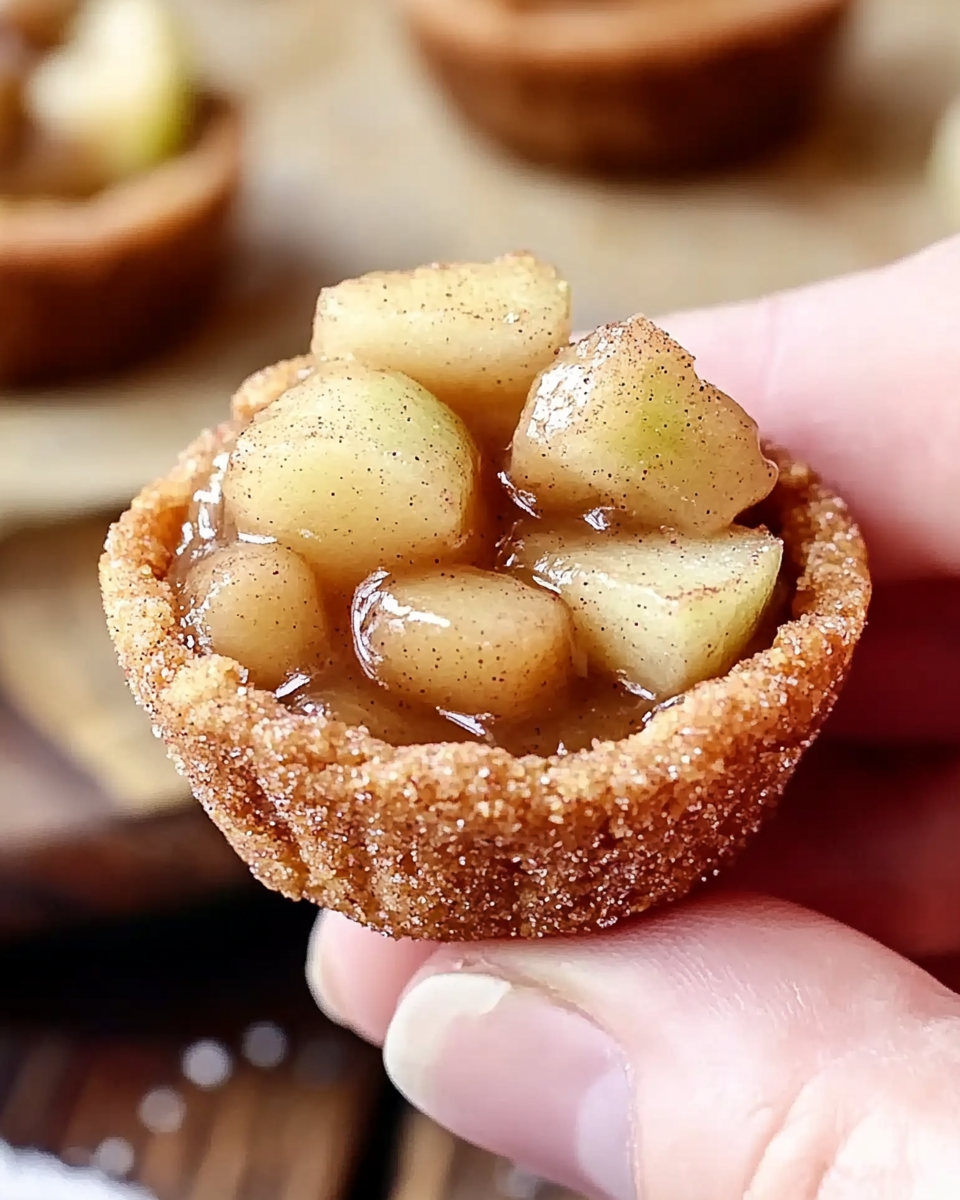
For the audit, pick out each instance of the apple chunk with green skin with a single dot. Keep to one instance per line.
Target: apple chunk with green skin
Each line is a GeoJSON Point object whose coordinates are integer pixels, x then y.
{"type": "Point", "coordinates": [355, 470]}
{"type": "Point", "coordinates": [621, 421]}
{"type": "Point", "coordinates": [661, 611]}
{"type": "Point", "coordinates": [119, 88]}
{"type": "Point", "coordinates": [474, 334]}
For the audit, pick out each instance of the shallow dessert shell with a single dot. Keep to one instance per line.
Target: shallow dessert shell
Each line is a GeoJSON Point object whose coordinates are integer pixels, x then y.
{"type": "Point", "coordinates": [91, 285]}
{"type": "Point", "coordinates": [666, 86]}
{"type": "Point", "coordinates": [463, 841]}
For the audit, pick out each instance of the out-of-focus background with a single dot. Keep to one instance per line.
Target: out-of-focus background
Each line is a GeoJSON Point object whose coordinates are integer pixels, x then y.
{"type": "Point", "coordinates": [153, 1020]}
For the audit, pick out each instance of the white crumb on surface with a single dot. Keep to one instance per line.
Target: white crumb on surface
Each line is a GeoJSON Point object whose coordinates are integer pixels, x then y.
{"type": "Point", "coordinates": [30, 1175]}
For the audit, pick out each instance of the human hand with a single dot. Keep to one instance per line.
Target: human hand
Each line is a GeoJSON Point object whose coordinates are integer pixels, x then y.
{"type": "Point", "coordinates": [738, 1046]}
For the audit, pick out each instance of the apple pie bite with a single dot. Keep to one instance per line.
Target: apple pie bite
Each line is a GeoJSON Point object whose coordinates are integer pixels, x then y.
{"type": "Point", "coordinates": [116, 182]}
{"type": "Point", "coordinates": [469, 630]}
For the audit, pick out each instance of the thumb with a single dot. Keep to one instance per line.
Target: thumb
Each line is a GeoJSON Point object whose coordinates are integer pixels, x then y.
{"type": "Point", "coordinates": [725, 1050]}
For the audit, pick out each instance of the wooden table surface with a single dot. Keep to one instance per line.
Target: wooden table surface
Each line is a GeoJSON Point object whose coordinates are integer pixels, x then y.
{"type": "Point", "coordinates": [183, 1052]}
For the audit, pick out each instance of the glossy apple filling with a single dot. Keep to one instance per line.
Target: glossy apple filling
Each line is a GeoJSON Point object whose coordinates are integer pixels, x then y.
{"type": "Point", "coordinates": [458, 526]}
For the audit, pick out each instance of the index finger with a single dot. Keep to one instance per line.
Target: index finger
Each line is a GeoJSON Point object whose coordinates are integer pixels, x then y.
{"type": "Point", "coordinates": [860, 377]}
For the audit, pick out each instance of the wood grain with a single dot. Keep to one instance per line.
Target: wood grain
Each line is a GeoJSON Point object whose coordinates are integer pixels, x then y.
{"type": "Point", "coordinates": [425, 1160]}
{"type": "Point", "coordinates": [434, 1165]}
{"type": "Point", "coordinates": [261, 1135]}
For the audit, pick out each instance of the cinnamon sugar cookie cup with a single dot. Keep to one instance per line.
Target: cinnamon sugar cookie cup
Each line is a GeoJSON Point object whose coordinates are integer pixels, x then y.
{"type": "Point", "coordinates": [629, 743]}
{"type": "Point", "coordinates": [90, 285]}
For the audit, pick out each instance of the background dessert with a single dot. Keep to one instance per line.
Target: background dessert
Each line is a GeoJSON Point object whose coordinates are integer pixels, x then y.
{"type": "Point", "coordinates": [673, 85]}
{"type": "Point", "coordinates": [116, 183]}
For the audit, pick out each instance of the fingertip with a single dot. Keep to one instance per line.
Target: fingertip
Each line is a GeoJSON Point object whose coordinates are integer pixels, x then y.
{"type": "Point", "coordinates": [856, 376]}
{"type": "Point", "coordinates": [318, 972]}
{"type": "Point", "coordinates": [729, 344]}
{"type": "Point", "coordinates": [356, 976]}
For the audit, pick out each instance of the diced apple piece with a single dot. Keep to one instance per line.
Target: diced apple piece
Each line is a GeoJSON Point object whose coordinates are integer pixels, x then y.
{"type": "Point", "coordinates": [622, 421]}
{"type": "Point", "coordinates": [465, 641]}
{"type": "Point", "coordinates": [662, 611]}
{"type": "Point", "coordinates": [258, 604]}
{"type": "Point", "coordinates": [119, 87]}
{"type": "Point", "coordinates": [474, 334]}
{"type": "Point", "coordinates": [356, 469]}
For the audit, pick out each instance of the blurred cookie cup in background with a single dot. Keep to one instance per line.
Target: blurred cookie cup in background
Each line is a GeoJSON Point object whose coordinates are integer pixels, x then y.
{"type": "Point", "coordinates": [631, 85]}
{"type": "Point", "coordinates": [117, 177]}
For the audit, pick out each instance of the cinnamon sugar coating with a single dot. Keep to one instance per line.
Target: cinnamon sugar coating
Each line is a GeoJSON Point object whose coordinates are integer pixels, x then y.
{"type": "Point", "coordinates": [461, 841]}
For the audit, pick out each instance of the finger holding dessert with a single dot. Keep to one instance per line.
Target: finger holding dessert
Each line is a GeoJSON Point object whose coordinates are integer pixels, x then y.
{"type": "Point", "coordinates": [460, 744]}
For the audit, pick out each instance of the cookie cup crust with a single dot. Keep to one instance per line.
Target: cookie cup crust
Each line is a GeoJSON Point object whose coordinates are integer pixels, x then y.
{"type": "Point", "coordinates": [460, 842]}
{"type": "Point", "coordinates": [95, 284]}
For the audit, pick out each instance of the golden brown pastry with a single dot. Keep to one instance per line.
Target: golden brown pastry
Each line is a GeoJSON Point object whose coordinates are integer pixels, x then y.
{"type": "Point", "coordinates": [116, 184]}
{"type": "Point", "coordinates": [510, 720]}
